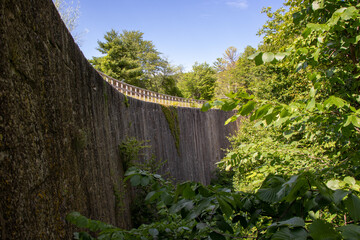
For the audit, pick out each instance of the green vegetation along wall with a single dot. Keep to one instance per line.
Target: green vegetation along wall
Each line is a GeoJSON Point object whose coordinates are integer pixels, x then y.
{"type": "Point", "coordinates": [60, 128]}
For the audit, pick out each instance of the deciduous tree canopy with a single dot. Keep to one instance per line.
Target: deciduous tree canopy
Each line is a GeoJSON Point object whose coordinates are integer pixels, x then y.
{"type": "Point", "coordinates": [130, 58]}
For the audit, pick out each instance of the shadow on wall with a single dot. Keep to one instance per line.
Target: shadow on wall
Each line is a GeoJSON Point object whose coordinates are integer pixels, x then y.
{"type": "Point", "coordinates": [61, 125]}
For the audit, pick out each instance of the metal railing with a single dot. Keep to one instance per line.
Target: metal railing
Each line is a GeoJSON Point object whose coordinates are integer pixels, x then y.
{"type": "Point", "coordinates": [150, 96]}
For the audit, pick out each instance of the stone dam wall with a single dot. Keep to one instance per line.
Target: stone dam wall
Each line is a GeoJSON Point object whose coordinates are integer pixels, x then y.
{"type": "Point", "coordinates": [61, 125]}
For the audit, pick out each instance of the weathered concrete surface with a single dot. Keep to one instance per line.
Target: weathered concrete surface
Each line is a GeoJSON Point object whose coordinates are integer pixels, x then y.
{"type": "Point", "coordinates": [61, 124]}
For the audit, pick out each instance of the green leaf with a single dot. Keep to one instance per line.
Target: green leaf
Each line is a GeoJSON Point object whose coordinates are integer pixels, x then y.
{"type": "Point", "coordinates": [153, 232]}
{"type": "Point", "coordinates": [201, 226]}
{"type": "Point", "coordinates": [339, 195]}
{"type": "Point", "coordinates": [84, 236]}
{"type": "Point", "coordinates": [131, 171]}
{"type": "Point", "coordinates": [247, 108]}
{"type": "Point", "coordinates": [332, 100]}
{"type": "Point", "coordinates": [317, 5]}
{"type": "Point", "coordinates": [258, 59]}
{"type": "Point", "coordinates": [350, 180]}
{"type": "Point", "coordinates": [205, 107]}
{"type": "Point", "coordinates": [290, 234]}
{"type": "Point", "coordinates": [316, 55]}
{"type": "Point", "coordinates": [204, 191]}
{"type": "Point", "coordinates": [311, 104]}
{"type": "Point", "coordinates": [312, 92]}
{"type": "Point", "coordinates": [268, 57]}
{"type": "Point", "coordinates": [357, 39]}
{"type": "Point", "coordinates": [353, 119]}
{"type": "Point", "coordinates": [82, 222]}
{"type": "Point", "coordinates": [297, 17]}
{"type": "Point", "coordinates": [232, 119]}
{"type": "Point", "coordinates": [188, 193]}
{"type": "Point", "coordinates": [216, 236]}
{"type": "Point", "coordinates": [322, 230]}
{"type": "Point", "coordinates": [306, 32]}
{"type": "Point", "coordinates": [298, 185]}
{"type": "Point", "coordinates": [218, 103]}
{"type": "Point", "coordinates": [225, 207]}
{"type": "Point", "coordinates": [349, 13]}
{"type": "Point", "coordinates": [229, 105]}
{"type": "Point", "coordinates": [197, 210]}
{"type": "Point", "coordinates": [291, 223]}
{"type": "Point", "coordinates": [333, 184]}
{"type": "Point", "coordinates": [71, 217]}
{"type": "Point", "coordinates": [179, 190]}
{"type": "Point", "coordinates": [303, 50]}
{"type": "Point", "coordinates": [350, 232]}
{"type": "Point", "coordinates": [352, 204]}
{"type": "Point", "coordinates": [260, 112]}
{"type": "Point", "coordinates": [145, 181]}
{"type": "Point", "coordinates": [149, 195]}
{"type": "Point", "coordinates": [253, 56]}
{"type": "Point", "coordinates": [224, 226]}
{"type": "Point", "coordinates": [280, 56]}
{"type": "Point", "coordinates": [268, 194]}
{"type": "Point", "coordinates": [135, 180]}
{"type": "Point", "coordinates": [318, 27]}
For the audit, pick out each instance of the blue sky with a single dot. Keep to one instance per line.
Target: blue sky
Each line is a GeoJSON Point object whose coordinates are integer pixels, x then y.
{"type": "Point", "coordinates": [184, 31]}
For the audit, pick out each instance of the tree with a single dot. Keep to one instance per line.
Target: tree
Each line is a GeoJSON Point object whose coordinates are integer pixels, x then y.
{"type": "Point", "coordinates": [199, 83]}
{"type": "Point", "coordinates": [226, 81]}
{"type": "Point", "coordinates": [319, 130]}
{"type": "Point", "coordinates": [165, 81]}
{"type": "Point", "coordinates": [70, 13]}
{"type": "Point", "coordinates": [130, 58]}
{"type": "Point", "coordinates": [235, 72]}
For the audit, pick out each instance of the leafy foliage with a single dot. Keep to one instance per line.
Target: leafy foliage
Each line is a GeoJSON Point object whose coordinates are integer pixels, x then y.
{"type": "Point", "coordinates": [321, 127]}
{"type": "Point", "coordinates": [299, 207]}
{"type": "Point", "coordinates": [134, 60]}
{"type": "Point", "coordinates": [70, 13]}
{"type": "Point", "coordinates": [199, 83]}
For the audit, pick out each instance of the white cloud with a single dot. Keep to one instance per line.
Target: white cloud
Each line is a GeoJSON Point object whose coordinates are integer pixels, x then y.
{"type": "Point", "coordinates": [242, 4]}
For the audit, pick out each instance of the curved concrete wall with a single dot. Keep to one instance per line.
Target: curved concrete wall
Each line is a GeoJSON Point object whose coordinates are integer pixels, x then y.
{"type": "Point", "coordinates": [61, 124]}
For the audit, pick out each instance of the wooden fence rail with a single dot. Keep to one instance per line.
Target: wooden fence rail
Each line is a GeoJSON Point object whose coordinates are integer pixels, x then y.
{"type": "Point", "coordinates": [150, 96]}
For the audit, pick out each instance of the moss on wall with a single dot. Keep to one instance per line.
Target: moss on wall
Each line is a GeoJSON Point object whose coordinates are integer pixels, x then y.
{"type": "Point", "coordinates": [126, 101]}
{"type": "Point", "coordinates": [172, 119]}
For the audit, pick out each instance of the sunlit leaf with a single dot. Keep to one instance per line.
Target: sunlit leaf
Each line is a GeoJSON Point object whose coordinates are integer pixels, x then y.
{"type": "Point", "coordinates": [332, 100]}
{"type": "Point", "coordinates": [311, 104]}
{"type": "Point", "coordinates": [350, 180]}
{"type": "Point", "coordinates": [205, 107]}
{"type": "Point", "coordinates": [318, 27]}
{"type": "Point", "coordinates": [247, 108]}
{"type": "Point", "coordinates": [349, 13]}
{"type": "Point", "coordinates": [280, 56]}
{"type": "Point", "coordinates": [317, 5]}
{"type": "Point", "coordinates": [261, 111]}
{"type": "Point", "coordinates": [268, 57]}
